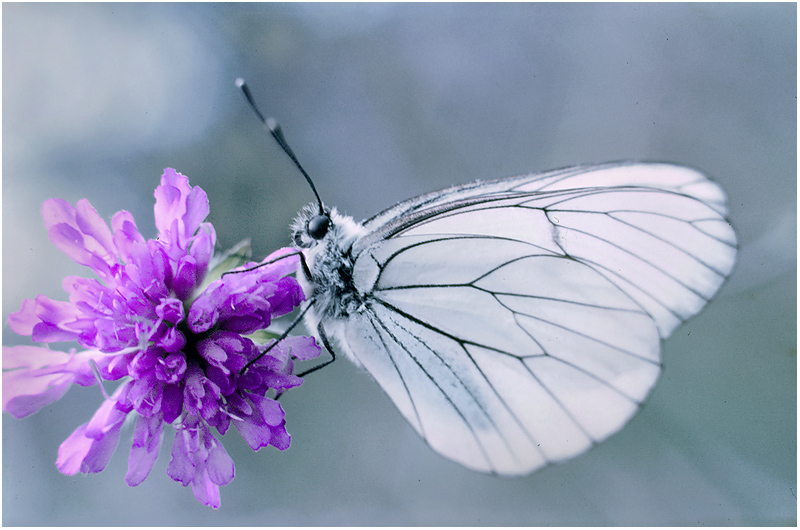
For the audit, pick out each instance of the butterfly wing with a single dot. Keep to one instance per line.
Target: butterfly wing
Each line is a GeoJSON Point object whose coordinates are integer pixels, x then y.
{"type": "Point", "coordinates": [517, 322]}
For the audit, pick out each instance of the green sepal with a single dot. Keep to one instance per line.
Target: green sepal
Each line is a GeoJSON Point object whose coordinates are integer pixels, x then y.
{"type": "Point", "coordinates": [263, 336]}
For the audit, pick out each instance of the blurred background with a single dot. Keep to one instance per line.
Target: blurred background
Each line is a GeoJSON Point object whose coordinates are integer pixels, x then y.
{"type": "Point", "coordinates": [382, 102]}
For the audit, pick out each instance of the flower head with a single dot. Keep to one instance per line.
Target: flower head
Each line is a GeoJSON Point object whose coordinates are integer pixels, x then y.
{"type": "Point", "coordinates": [181, 347]}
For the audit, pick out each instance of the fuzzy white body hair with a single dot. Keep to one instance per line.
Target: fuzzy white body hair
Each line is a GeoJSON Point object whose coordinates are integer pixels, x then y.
{"type": "Point", "coordinates": [330, 288]}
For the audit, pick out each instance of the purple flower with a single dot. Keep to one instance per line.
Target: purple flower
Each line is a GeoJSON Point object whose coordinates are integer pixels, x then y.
{"type": "Point", "coordinates": [182, 348]}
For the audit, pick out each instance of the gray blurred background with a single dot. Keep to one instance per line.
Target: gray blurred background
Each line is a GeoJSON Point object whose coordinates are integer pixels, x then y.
{"type": "Point", "coordinates": [382, 102]}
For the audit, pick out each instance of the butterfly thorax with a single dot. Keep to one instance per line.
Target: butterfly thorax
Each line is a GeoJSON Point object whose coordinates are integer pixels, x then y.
{"type": "Point", "coordinates": [330, 263]}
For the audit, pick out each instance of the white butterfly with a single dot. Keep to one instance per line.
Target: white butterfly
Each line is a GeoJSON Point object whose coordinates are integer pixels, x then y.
{"type": "Point", "coordinates": [518, 322]}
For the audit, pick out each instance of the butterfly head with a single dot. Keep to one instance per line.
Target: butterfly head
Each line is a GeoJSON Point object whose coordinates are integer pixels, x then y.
{"type": "Point", "coordinates": [326, 239]}
{"type": "Point", "coordinates": [310, 227]}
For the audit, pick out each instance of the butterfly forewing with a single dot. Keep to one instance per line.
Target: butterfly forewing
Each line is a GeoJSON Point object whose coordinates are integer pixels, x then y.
{"type": "Point", "coordinates": [517, 322]}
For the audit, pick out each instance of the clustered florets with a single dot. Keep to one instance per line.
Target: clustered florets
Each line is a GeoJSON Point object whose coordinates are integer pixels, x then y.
{"type": "Point", "coordinates": [179, 345]}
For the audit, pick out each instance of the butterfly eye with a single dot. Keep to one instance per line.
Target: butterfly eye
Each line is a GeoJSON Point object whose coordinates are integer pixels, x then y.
{"type": "Point", "coordinates": [318, 226]}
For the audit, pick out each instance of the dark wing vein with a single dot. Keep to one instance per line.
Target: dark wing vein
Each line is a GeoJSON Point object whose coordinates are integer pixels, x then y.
{"type": "Point", "coordinates": [643, 260]}
{"type": "Point", "coordinates": [457, 377]}
{"type": "Point", "coordinates": [611, 366]}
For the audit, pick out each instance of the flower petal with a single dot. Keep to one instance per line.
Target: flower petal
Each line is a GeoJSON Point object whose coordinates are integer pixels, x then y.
{"type": "Point", "coordinates": [56, 211]}
{"type": "Point", "coordinates": [23, 321]}
{"type": "Point", "coordinates": [81, 234]}
{"type": "Point", "coordinates": [254, 431]}
{"type": "Point", "coordinates": [181, 467]}
{"type": "Point", "coordinates": [31, 357]}
{"type": "Point", "coordinates": [280, 438]}
{"type": "Point", "coordinates": [285, 261]}
{"type": "Point", "coordinates": [302, 348]}
{"type": "Point", "coordinates": [185, 277]}
{"type": "Point", "coordinates": [46, 332]}
{"type": "Point", "coordinates": [219, 464]}
{"type": "Point", "coordinates": [168, 199]}
{"type": "Point", "coordinates": [51, 321]}
{"type": "Point", "coordinates": [205, 490]}
{"type": "Point", "coordinates": [171, 310]}
{"type": "Point", "coordinates": [179, 209]}
{"type": "Point", "coordinates": [126, 235]}
{"type": "Point", "coordinates": [271, 411]}
{"type": "Point", "coordinates": [147, 437]}
{"type": "Point", "coordinates": [36, 377]}
{"type": "Point", "coordinates": [108, 417]}
{"type": "Point", "coordinates": [24, 395]}
{"type": "Point", "coordinates": [80, 453]}
{"type": "Point", "coordinates": [171, 402]}
{"type": "Point", "coordinates": [73, 450]}
{"type": "Point", "coordinates": [91, 224]}
{"type": "Point", "coordinates": [196, 209]}
{"type": "Point", "coordinates": [202, 248]}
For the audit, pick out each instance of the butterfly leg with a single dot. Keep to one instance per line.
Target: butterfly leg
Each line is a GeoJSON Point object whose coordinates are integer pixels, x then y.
{"type": "Point", "coordinates": [258, 266]}
{"type": "Point", "coordinates": [285, 334]}
{"type": "Point", "coordinates": [324, 337]}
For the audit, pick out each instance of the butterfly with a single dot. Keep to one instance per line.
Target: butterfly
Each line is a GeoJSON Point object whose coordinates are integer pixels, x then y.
{"type": "Point", "coordinates": [518, 322]}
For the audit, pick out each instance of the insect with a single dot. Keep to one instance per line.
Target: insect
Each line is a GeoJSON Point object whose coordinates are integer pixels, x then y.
{"type": "Point", "coordinates": [517, 322]}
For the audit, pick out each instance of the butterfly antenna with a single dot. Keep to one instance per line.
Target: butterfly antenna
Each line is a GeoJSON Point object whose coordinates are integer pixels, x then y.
{"type": "Point", "coordinates": [275, 130]}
